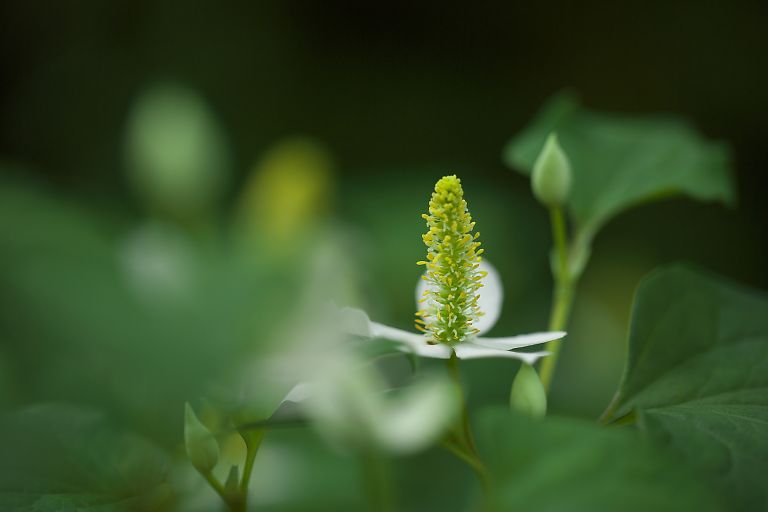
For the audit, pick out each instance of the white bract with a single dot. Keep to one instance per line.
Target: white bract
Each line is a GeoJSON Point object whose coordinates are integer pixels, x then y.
{"type": "Point", "coordinates": [474, 346]}
{"type": "Point", "coordinates": [345, 396]}
{"type": "Point", "coordinates": [351, 407]}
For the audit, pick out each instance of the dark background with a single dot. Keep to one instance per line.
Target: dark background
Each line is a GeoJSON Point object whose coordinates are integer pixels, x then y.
{"type": "Point", "coordinates": [380, 82]}
{"type": "Point", "coordinates": [402, 92]}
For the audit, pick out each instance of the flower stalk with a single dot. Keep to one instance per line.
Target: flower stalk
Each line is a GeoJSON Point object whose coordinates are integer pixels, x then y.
{"type": "Point", "coordinates": [451, 310]}
{"type": "Point", "coordinates": [377, 480]}
{"type": "Point", "coordinates": [551, 182]}
{"type": "Point", "coordinates": [563, 293]}
{"type": "Point", "coordinates": [461, 441]}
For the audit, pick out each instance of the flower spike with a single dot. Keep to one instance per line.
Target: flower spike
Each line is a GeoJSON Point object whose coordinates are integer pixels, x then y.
{"type": "Point", "coordinates": [450, 306]}
{"type": "Point", "coordinates": [452, 316]}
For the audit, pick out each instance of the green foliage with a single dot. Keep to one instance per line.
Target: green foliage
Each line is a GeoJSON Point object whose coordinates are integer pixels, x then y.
{"type": "Point", "coordinates": [139, 320]}
{"type": "Point", "coordinates": [297, 471]}
{"type": "Point", "coordinates": [697, 377]}
{"type": "Point", "coordinates": [57, 458]}
{"type": "Point", "coordinates": [572, 466]}
{"type": "Point", "coordinates": [620, 161]}
{"type": "Point", "coordinates": [73, 314]}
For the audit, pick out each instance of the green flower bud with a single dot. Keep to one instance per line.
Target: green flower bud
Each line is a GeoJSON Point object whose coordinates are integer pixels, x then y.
{"type": "Point", "coordinates": [551, 178]}
{"type": "Point", "coordinates": [202, 448]}
{"type": "Point", "coordinates": [527, 395]}
{"type": "Point", "coordinates": [176, 152]}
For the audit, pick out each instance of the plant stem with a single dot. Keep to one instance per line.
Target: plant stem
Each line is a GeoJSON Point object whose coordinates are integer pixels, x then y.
{"type": "Point", "coordinates": [377, 479]}
{"type": "Point", "coordinates": [237, 503]}
{"type": "Point", "coordinates": [252, 443]}
{"type": "Point", "coordinates": [216, 485]}
{"type": "Point", "coordinates": [563, 295]}
{"type": "Point", "coordinates": [456, 446]}
{"type": "Point", "coordinates": [462, 443]}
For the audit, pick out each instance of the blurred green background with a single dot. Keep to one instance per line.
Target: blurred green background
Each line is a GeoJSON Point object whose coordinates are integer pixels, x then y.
{"type": "Point", "coordinates": [397, 94]}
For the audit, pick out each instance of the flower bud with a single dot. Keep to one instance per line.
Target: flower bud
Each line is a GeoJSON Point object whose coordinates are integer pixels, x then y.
{"type": "Point", "coordinates": [551, 178]}
{"type": "Point", "coordinates": [527, 395]}
{"type": "Point", "coordinates": [202, 448]}
{"type": "Point", "coordinates": [176, 153]}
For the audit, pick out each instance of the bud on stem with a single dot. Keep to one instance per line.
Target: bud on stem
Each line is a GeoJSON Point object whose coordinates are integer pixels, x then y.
{"type": "Point", "coordinates": [528, 395]}
{"type": "Point", "coordinates": [551, 178]}
{"type": "Point", "coordinates": [202, 448]}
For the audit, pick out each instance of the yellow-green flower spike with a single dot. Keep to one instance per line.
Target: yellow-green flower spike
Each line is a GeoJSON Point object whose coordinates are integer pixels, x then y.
{"type": "Point", "coordinates": [453, 259]}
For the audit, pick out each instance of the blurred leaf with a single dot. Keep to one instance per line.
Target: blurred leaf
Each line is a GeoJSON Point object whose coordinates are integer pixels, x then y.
{"type": "Point", "coordinates": [298, 471]}
{"type": "Point", "coordinates": [619, 161]}
{"type": "Point", "coordinates": [697, 375]}
{"type": "Point", "coordinates": [71, 315]}
{"type": "Point", "coordinates": [56, 458]}
{"type": "Point", "coordinates": [571, 466]}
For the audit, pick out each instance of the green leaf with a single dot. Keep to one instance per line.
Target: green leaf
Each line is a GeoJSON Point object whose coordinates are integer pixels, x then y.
{"type": "Point", "coordinates": [56, 458]}
{"type": "Point", "coordinates": [571, 466]}
{"type": "Point", "coordinates": [697, 377]}
{"type": "Point", "coordinates": [74, 312]}
{"type": "Point", "coordinates": [619, 161]}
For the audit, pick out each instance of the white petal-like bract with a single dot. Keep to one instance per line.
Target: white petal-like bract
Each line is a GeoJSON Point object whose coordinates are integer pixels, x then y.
{"type": "Point", "coordinates": [419, 415]}
{"type": "Point", "coordinates": [522, 340]}
{"type": "Point", "coordinates": [472, 351]}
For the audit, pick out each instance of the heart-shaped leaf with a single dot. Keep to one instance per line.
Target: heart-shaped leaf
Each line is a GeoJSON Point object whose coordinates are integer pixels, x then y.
{"type": "Point", "coordinates": [569, 465]}
{"type": "Point", "coordinates": [620, 161]}
{"type": "Point", "coordinates": [697, 377]}
{"type": "Point", "coordinates": [56, 458]}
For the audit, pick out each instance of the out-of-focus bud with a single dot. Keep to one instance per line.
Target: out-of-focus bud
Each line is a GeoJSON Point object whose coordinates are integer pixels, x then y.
{"type": "Point", "coordinates": [551, 178]}
{"type": "Point", "coordinates": [527, 395]}
{"type": "Point", "coordinates": [176, 153]}
{"type": "Point", "coordinates": [288, 193]}
{"type": "Point", "coordinates": [202, 448]}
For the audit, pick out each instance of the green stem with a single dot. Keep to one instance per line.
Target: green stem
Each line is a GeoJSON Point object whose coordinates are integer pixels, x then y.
{"type": "Point", "coordinates": [563, 295]}
{"type": "Point", "coordinates": [216, 486]}
{"type": "Point", "coordinates": [252, 444]}
{"type": "Point", "coordinates": [457, 446]}
{"type": "Point", "coordinates": [238, 500]}
{"type": "Point", "coordinates": [560, 237]}
{"type": "Point", "coordinates": [377, 479]}
{"type": "Point", "coordinates": [462, 444]}
{"type": "Point", "coordinates": [237, 503]}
